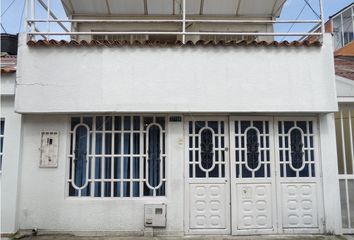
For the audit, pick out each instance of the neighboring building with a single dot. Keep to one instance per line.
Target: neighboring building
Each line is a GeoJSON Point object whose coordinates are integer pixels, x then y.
{"type": "Point", "coordinates": [345, 136]}
{"type": "Point", "coordinates": [177, 118]}
{"type": "Point", "coordinates": [341, 25]}
{"type": "Point", "coordinates": [10, 136]}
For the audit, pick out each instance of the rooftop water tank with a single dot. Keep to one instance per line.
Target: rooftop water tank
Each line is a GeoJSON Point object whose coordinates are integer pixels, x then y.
{"type": "Point", "coordinates": [9, 43]}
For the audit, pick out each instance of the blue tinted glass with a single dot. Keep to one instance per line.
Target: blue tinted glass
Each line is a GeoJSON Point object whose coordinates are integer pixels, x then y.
{"type": "Point", "coordinates": [252, 149]}
{"type": "Point", "coordinates": [81, 136]}
{"type": "Point", "coordinates": [297, 145]}
{"type": "Point", "coordinates": [207, 149]}
{"type": "Point", "coordinates": [154, 156]}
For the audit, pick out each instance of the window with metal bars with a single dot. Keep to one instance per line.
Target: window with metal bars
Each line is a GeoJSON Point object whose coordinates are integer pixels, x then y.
{"type": "Point", "coordinates": [117, 156]}
{"type": "Point", "coordinates": [2, 130]}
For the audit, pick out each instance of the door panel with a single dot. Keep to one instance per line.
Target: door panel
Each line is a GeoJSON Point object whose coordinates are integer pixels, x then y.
{"type": "Point", "coordinates": [207, 181]}
{"type": "Point", "coordinates": [299, 205]}
{"type": "Point", "coordinates": [299, 181]}
{"type": "Point", "coordinates": [254, 206]}
{"type": "Point", "coordinates": [208, 206]}
{"type": "Point", "coordinates": [252, 175]}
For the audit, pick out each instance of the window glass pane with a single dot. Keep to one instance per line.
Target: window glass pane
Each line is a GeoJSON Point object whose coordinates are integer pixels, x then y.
{"type": "Point", "coordinates": [119, 163]}
{"type": "Point", "coordinates": [337, 32]}
{"type": "Point", "coordinates": [154, 156]}
{"type": "Point", "coordinates": [339, 143]}
{"type": "Point", "coordinates": [206, 149]}
{"type": "Point", "coordinates": [81, 136]}
{"type": "Point", "coordinates": [2, 127]}
{"type": "Point", "coordinates": [344, 205]}
{"type": "Point", "coordinates": [347, 26]}
{"type": "Point", "coordinates": [296, 148]}
{"type": "Point", "coordinates": [347, 142]}
{"type": "Point", "coordinates": [252, 149]}
{"type": "Point", "coordinates": [351, 200]}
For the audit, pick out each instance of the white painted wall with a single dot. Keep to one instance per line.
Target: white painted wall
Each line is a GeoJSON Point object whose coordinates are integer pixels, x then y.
{"type": "Point", "coordinates": [8, 84]}
{"type": "Point", "coordinates": [44, 203]}
{"type": "Point", "coordinates": [177, 79]}
{"type": "Point", "coordinates": [43, 191]}
{"type": "Point", "coordinates": [331, 196]}
{"type": "Point", "coordinates": [345, 87]}
{"type": "Point", "coordinates": [9, 178]}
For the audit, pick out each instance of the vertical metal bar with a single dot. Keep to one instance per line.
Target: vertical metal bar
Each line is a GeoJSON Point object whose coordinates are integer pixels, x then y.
{"type": "Point", "coordinates": [33, 16]}
{"type": "Point", "coordinates": [351, 150]}
{"type": "Point", "coordinates": [141, 157]}
{"type": "Point", "coordinates": [343, 143]}
{"type": "Point", "coordinates": [121, 192]}
{"type": "Point", "coordinates": [93, 159]}
{"type": "Point", "coordinates": [342, 28]}
{"type": "Point", "coordinates": [112, 155]}
{"type": "Point", "coordinates": [353, 20]}
{"type": "Point", "coordinates": [25, 25]}
{"type": "Point", "coordinates": [184, 21]}
{"type": "Point", "coordinates": [131, 158]}
{"type": "Point", "coordinates": [48, 18]}
{"type": "Point", "coordinates": [103, 156]}
{"type": "Point", "coordinates": [323, 30]}
{"type": "Point", "coordinates": [351, 139]}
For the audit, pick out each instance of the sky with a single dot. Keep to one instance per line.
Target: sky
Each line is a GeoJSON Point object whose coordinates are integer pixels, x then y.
{"type": "Point", "coordinates": [12, 19]}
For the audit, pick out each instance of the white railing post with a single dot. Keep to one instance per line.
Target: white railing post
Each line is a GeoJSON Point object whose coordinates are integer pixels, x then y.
{"type": "Point", "coordinates": [323, 30]}
{"type": "Point", "coordinates": [33, 16]}
{"type": "Point", "coordinates": [184, 21]}
{"type": "Point", "coordinates": [48, 18]}
{"type": "Point", "coordinates": [25, 25]}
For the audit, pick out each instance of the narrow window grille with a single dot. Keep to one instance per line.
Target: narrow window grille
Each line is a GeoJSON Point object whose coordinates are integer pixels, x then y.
{"type": "Point", "coordinates": [117, 156]}
{"type": "Point", "coordinates": [2, 131]}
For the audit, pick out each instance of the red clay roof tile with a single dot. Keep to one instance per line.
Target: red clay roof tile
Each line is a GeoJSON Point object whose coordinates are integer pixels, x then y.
{"type": "Point", "coordinates": [8, 64]}
{"type": "Point", "coordinates": [148, 43]}
{"type": "Point", "coordinates": [344, 67]}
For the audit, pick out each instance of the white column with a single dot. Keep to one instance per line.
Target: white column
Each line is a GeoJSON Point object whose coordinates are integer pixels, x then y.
{"type": "Point", "coordinates": [331, 195]}
{"type": "Point", "coordinates": [9, 178]}
{"type": "Point", "coordinates": [175, 177]}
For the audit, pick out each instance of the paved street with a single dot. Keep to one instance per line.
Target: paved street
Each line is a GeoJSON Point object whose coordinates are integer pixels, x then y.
{"type": "Point", "coordinates": [72, 237]}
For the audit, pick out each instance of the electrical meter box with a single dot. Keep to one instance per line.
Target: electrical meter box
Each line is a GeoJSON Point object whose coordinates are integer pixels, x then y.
{"type": "Point", "coordinates": [155, 215]}
{"type": "Point", "coordinates": [49, 149]}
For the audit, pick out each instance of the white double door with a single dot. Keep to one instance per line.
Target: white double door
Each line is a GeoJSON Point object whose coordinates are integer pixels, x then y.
{"type": "Point", "coordinates": [251, 175]}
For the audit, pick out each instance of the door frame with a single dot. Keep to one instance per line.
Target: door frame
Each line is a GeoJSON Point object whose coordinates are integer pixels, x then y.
{"type": "Point", "coordinates": [276, 181]}
{"type": "Point", "coordinates": [187, 180]}
{"type": "Point", "coordinates": [233, 180]}
{"type": "Point", "coordinates": [319, 181]}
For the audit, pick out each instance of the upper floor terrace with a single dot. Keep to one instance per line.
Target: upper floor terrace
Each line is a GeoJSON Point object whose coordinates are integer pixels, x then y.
{"type": "Point", "coordinates": [211, 56]}
{"type": "Point", "coordinates": [168, 20]}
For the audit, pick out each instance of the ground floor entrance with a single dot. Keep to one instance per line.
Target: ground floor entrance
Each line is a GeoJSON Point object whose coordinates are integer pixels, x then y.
{"type": "Point", "coordinates": [345, 157]}
{"type": "Point", "coordinates": [252, 175]}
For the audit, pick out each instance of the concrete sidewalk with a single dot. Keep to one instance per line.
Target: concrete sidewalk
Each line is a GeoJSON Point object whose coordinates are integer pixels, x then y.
{"type": "Point", "coordinates": [277, 237]}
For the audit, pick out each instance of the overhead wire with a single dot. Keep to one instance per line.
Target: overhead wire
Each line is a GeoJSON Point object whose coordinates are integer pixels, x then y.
{"type": "Point", "coordinates": [3, 27]}
{"type": "Point", "coordinates": [313, 10]}
{"type": "Point", "coordinates": [13, 1]}
{"type": "Point", "coordinates": [297, 18]}
{"type": "Point", "coordinates": [21, 19]}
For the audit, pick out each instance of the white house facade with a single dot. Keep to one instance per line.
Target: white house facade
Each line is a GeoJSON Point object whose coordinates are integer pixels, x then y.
{"type": "Point", "coordinates": [137, 126]}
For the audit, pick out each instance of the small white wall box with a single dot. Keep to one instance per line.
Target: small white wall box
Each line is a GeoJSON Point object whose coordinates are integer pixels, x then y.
{"type": "Point", "coordinates": [49, 149]}
{"type": "Point", "coordinates": [155, 215]}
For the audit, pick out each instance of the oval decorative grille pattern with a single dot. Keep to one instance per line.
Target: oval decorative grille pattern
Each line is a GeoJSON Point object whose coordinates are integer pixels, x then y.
{"type": "Point", "coordinates": [81, 137]}
{"type": "Point", "coordinates": [252, 148]}
{"type": "Point", "coordinates": [154, 156]}
{"type": "Point", "coordinates": [206, 148]}
{"type": "Point", "coordinates": [296, 148]}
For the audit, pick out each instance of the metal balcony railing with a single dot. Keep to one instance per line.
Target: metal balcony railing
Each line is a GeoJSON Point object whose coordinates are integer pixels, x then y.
{"type": "Point", "coordinates": [41, 27]}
